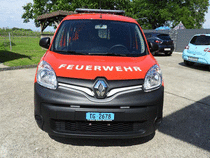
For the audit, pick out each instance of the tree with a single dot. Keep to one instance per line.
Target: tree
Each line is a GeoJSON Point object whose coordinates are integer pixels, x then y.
{"type": "Point", "coordinates": [191, 13]}
{"type": "Point", "coordinates": [39, 7]}
{"type": "Point", "coordinates": [171, 12]}
{"type": "Point", "coordinates": [149, 13]}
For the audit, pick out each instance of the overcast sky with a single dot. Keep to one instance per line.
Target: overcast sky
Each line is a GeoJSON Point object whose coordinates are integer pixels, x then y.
{"type": "Point", "coordinates": [12, 10]}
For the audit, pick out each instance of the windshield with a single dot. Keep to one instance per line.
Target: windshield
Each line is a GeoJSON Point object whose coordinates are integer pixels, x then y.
{"type": "Point", "coordinates": [99, 37]}
{"type": "Point", "coordinates": [200, 40]}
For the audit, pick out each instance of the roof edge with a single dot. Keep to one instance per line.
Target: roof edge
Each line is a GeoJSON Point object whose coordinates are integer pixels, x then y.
{"type": "Point", "coordinates": [54, 14]}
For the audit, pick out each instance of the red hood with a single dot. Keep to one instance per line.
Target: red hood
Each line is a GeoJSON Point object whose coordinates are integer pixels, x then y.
{"type": "Point", "coordinates": [90, 67]}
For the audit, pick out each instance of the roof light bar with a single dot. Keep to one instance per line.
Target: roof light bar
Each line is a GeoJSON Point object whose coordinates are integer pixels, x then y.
{"type": "Point", "coordinates": [117, 12]}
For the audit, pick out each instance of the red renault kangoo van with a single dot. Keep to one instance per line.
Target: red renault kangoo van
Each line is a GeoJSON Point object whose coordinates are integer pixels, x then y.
{"type": "Point", "coordinates": [98, 78]}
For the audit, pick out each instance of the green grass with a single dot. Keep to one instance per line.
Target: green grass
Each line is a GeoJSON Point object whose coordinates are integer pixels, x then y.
{"type": "Point", "coordinates": [21, 32]}
{"type": "Point", "coordinates": [25, 50]}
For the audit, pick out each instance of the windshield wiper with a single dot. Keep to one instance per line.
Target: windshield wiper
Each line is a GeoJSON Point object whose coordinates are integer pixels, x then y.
{"type": "Point", "coordinates": [116, 54]}
{"type": "Point", "coordinates": [69, 52]}
{"type": "Point", "coordinates": [80, 53]}
{"type": "Point", "coordinates": [107, 54]}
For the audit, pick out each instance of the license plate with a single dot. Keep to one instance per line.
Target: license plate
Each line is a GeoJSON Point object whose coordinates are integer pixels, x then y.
{"type": "Point", "coordinates": [167, 49]}
{"type": "Point", "coordinates": [192, 59]}
{"type": "Point", "coordinates": [95, 116]}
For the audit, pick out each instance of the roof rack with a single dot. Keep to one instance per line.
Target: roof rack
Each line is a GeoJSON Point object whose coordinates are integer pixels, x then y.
{"type": "Point", "coordinates": [117, 12]}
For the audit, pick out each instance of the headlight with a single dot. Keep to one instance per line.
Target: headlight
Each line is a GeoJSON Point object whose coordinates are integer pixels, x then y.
{"type": "Point", "coordinates": [46, 75]}
{"type": "Point", "coordinates": [153, 79]}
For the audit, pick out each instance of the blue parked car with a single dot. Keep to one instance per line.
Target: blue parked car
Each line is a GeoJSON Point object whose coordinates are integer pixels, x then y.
{"type": "Point", "coordinates": [198, 50]}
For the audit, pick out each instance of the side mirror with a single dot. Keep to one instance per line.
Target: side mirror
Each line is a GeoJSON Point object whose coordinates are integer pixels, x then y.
{"type": "Point", "coordinates": [153, 46]}
{"type": "Point", "coordinates": [45, 42]}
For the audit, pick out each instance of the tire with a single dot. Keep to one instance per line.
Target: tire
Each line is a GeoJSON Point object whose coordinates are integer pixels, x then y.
{"type": "Point", "coordinates": [209, 67]}
{"type": "Point", "coordinates": [188, 63]}
{"type": "Point", "coordinates": [168, 53]}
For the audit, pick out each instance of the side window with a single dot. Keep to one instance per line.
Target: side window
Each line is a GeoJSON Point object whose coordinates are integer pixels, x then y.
{"type": "Point", "coordinates": [193, 40]}
{"type": "Point", "coordinates": [139, 40]}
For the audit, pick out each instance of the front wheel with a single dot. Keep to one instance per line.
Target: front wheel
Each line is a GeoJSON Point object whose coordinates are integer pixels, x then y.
{"type": "Point", "coordinates": [188, 63]}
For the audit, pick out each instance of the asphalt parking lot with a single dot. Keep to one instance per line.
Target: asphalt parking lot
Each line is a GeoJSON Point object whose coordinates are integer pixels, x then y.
{"type": "Point", "coordinates": [185, 131]}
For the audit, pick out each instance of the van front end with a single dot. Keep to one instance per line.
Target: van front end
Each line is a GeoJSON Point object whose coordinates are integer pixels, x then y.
{"type": "Point", "coordinates": [98, 79]}
{"type": "Point", "coordinates": [127, 114]}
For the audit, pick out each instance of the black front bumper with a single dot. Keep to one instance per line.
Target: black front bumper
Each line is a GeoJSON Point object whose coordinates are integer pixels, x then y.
{"type": "Point", "coordinates": [63, 113]}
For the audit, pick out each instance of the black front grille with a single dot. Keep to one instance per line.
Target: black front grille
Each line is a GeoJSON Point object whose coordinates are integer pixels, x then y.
{"type": "Point", "coordinates": [90, 83]}
{"type": "Point", "coordinates": [94, 127]}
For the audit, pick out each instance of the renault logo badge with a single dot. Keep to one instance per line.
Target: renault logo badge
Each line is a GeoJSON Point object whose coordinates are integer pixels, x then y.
{"type": "Point", "coordinates": [100, 89]}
